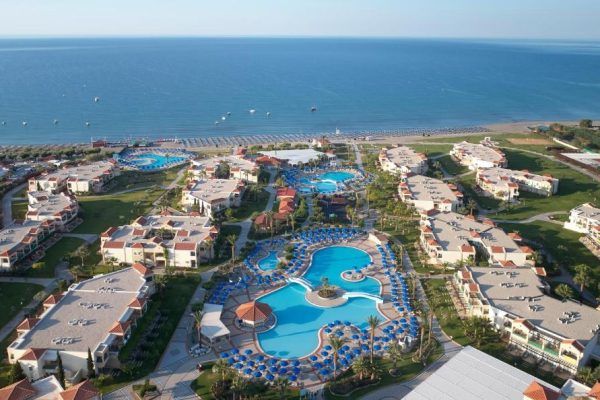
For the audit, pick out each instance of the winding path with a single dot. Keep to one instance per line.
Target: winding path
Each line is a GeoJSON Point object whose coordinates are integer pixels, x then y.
{"type": "Point", "coordinates": [7, 218]}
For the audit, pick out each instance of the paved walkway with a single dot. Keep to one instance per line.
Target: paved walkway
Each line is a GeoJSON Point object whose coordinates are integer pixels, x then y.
{"type": "Point", "coordinates": [7, 218]}
{"type": "Point", "coordinates": [89, 238]}
{"type": "Point", "coordinates": [539, 217]}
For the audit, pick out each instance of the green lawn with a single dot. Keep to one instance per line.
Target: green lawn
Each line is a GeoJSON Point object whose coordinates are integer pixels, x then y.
{"type": "Point", "coordinates": [14, 297]}
{"type": "Point", "coordinates": [562, 244]}
{"type": "Point", "coordinates": [136, 179]}
{"type": "Point", "coordinates": [19, 209]}
{"type": "Point", "coordinates": [250, 204]}
{"type": "Point", "coordinates": [503, 140]}
{"type": "Point", "coordinates": [431, 150]}
{"type": "Point", "coordinates": [101, 212]}
{"type": "Point", "coordinates": [451, 166]}
{"type": "Point", "coordinates": [574, 188]}
{"type": "Point", "coordinates": [54, 255]}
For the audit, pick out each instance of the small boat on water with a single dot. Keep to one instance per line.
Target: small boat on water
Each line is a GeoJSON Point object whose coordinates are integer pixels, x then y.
{"type": "Point", "coordinates": [96, 99]}
{"type": "Point", "coordinates": [313, 109]}
{"type": "Point", "coordinates": [268, 114]}
{"type": "Point", "coordinates": [87, 123]}
{"type": "Point", "coordinates": [252, 111]}
{"type": "Point", "coordinates": [24, 123]}
{"type": "Point", "coordinates": [3, 123]}
{"type": "Point", "coordinates": [223, 118]}
{"type": "Point", "coordinates": [217, 122]}
{"type": "Point", "coordinates": [228, 113]}
{"type": "Point", "coordinates": [55, 122]}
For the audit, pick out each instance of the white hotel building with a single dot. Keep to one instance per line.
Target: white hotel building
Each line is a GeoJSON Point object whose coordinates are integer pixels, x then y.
{"type": "Point", "coordinates": [505, 184]}
{"type": "Point", "coordinates": [212, 196]}
{"type": "Point", "coordinates": [98, 314]}
{"type": "Point", "coordinates": [424, 193]}
{"type": "Point", "coordinates": [563, 333]}
{"type": "Point", "coordinates": [88, 178]}
{"type": "Point", "coordinates": [476, 156]}
{"type": "Point", "coordinates": [402, 160]}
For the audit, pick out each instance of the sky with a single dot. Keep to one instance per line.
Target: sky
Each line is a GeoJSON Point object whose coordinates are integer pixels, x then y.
{"type": "Point", "coordinates": [531, 19]}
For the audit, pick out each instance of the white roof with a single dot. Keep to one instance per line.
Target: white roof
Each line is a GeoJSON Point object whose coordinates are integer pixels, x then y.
{"type": "Point", "coordinates": [47, 389]}
{"type": "Point", "coordinates": [294, 157]}
{"type": "Point", "coordinates": [212, 326]}
{"type": "Point", "coordinates": [474, 375]}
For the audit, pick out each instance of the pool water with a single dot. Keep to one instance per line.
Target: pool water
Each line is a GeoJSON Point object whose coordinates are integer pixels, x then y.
{"type": "Point", "coordinates": [336, 176]}
{"type": "Point", "coordinates": [326, 187]}
{"type": "Point", "coordinates": [298, 322]}
{"type": "Point", "coordinates": [332, 261]}
{"type": "Point", "coordinates": [154, 160]}
{"type": "Point", "coordinates": [269, 263]}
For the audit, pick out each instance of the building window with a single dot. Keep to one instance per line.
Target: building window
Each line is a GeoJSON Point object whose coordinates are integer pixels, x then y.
{"type": "Point", "coordinates": [192, 253]}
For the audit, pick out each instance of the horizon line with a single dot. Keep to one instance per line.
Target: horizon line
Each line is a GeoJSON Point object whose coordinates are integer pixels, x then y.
{"type": "Point", "coordinates": [351, 37]}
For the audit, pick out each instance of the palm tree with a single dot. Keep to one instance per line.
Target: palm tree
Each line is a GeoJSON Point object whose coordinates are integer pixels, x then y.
{"type": "Point", "coordinates": [471, 206]}
{"type": "Point", "coordinates": [360, 366]}
{"type": "Point", "coordinates": [478, 328]}
{"type": "Point", "coordinates": [221, 368]}
{"type": "Point", "coordinates": [269, 214]}
{"type": "Point", "coordinates": [564, 291]}
{"type": "Point", "coordinates": [374, 368]}
{"type": "Point", "coordinates": [239, 386]}
{"type": "Point", "coordinates": [336, 345]}
{"type": "Point", "coordinates": [395, 353]}
{"type": "Point", "coordinates": [282, 384]}
{"type": "Point", "coordinates": [585, 375]}
{"type": "Point", "coordinates": [373, 322]}
{"type": "Point", "coordinates": [582, 276]}
{"type": "Point", "coordinates": [198, 323]}
{"type": "Point", "coordinates": [82, 252]}
{"type": "Point", "coordinates": [231, 239]}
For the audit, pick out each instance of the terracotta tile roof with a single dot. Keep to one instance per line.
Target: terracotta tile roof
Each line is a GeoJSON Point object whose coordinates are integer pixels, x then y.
{"type": "Point", "coordinates": [253, 311]}
{"type": "Point", "coordinates": [113, 245]}
{"type": "Point", "coordinates": [574, 343]}
{"type": "Point", "coordinates": [33, 354]}
{"type": "Point", "coordinates": [497, 249]}
{"type": "Point", "coordinates": [53, 299]}
{"type": "Point", "coordinates": [21, 390]}
{"type": "Point", "coordinates": [27, 324]}
{"type": "Point", "coordinates": [141, 269]}
{"type": "Point", "coordinates": [82, 391]}
{"type": "Point", "coordinates": [137, 303]}
{"type": "Point", "coordinates": [536, 391]}
{"type": "Point", "coordinates": [465, 248]}
{"type": "Point", "coordinates": [119, 328]}
{"type": "Point", "coordinates": [185, 246]}
{"type": "Point", "coordinates": [541, 271]}
{"type": "Point", "coordinates": [595, 391]}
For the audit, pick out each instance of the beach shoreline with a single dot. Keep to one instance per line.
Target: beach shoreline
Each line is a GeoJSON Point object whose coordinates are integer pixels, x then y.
{"type": "Point", "coordinates": [399, 136]}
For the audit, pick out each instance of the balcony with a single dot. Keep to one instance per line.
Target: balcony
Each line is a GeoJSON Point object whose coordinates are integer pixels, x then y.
{"type": "Point", "coordinates": [520, 335]}
{"type": "Point", "coordinates": [568, 358]}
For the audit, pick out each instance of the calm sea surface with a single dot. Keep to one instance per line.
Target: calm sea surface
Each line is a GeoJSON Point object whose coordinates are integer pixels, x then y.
{"type": "Point", "coordinates": [181, 87]}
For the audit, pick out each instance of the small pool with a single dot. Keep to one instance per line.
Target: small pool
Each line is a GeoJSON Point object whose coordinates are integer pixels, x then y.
{"type": "Point", "coordinates": [268, 263]}
{"type": "Point", "coordinates": [336, 176]}
{"type": "Point", "coordinates": [326, 187]}
{"type": "Point", "coordinates": [298, 321]}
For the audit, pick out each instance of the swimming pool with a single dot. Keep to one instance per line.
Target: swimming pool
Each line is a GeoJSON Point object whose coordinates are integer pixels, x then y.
{"type": "Point", "coordinates": [154, 160]}
{"type": "Point", "coordinates": [336, 176]}
{"type": "Point", "coordinates": [269, 263]}
{"type": "Point", "coordinates": [298, 322]}
{"type": "Point", "coordinates": [332, 261]}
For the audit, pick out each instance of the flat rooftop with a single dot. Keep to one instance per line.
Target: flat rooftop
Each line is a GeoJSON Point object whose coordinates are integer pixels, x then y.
{"type": "Point", "coordinates": [234, 162]}
{"type": "Point", "coordinates": [80, 172]}
{"type": "Point", "coordinates": [587, 210]}
{"type": "Point", "coordinates": [503, 175]}
{"type": "Point", "coordinates": [188, 228]}
{"type": "Point", "coordinates": [548, 310]}
{"type": "Point", "coordinates": [404, 156]}
{"type": "Point", "coordinates": [294, 157]}
{"type": "Point", "coordinates": [424, 188]}
{"type": "Point", "coordinates": [591, 159]}
{"type": "Point", "coordinates": [12, 236]}
{"type": "Point", "coordinates": [479, 151]}
{"type": "Point", "coordinates": [127, 284]}
{"type": "Point", "coordinates": [212, 190]}
{"type": "Point", "coordinates": [48, 206]}
{"type": "Point", "coordinates": [453, 230]}
{"type": "Point", "coordinates": [474, 375]}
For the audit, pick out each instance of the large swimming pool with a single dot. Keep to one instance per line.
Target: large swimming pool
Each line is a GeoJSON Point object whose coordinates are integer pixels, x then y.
{"type": "Point", "coordinates": [154, 160]}
{"type": "Point", "coordinates": [336, 176]}
{"type": "Point", "coordinates": [298, 322]}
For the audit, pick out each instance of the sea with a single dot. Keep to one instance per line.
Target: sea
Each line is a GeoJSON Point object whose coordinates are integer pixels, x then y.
{"type": "Point", "coordinates": [73, 90]}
